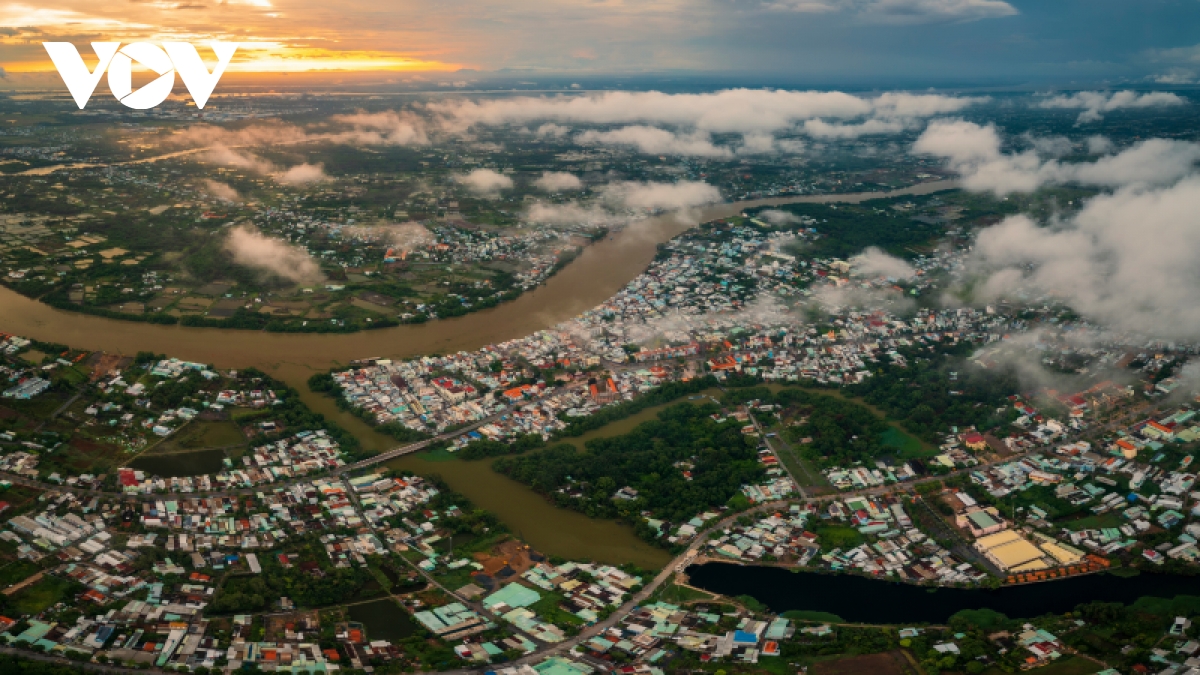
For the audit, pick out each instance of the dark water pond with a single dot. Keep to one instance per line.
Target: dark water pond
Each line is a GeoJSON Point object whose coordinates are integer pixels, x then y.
{"type": "Point", "coordinates": [859, 599]}
{"type": "Point", "coordinates": [383, 619]}
{"type": "Point", "coordinates": [178, 464]}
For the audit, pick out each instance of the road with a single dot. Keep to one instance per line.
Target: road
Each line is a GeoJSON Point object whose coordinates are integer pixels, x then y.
{"type": "Point", "coordinates": [60, 409]}
{"type": "Point", "coordinates": [478, 607]}
{"type": "Point", "coordinates": [676, 565]}
{"type": "Point", "coordinates": [779, 458]}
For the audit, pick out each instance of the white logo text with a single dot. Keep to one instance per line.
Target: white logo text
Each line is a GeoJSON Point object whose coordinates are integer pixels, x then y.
{"type": "Point", "coordinates": [178, 57]}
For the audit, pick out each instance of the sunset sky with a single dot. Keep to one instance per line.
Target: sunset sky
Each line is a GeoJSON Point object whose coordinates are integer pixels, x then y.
{"type": "Point", "coordinates": [822, 41]}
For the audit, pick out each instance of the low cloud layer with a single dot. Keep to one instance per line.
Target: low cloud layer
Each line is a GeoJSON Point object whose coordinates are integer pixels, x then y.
{"type": "Point", "coordinates": [401, 237]}
{"type": "Point", "coordinates": [621, 203]}
{"type": "Point", "coordinates": [239, 159]}
{"type": "Point", "coordinates": [382, 128]}
{"type": "Point", "coordinates": [575, 214]}
{"type": "Point", "coordinates": [836, 299]}
{"type": "Point", "coordinates": [1095, 103]}
{"type": "Point", "coordinates": [660, 196]}
{"type": "Point", "coordinates": [726, 111]}
{"type": "Point", "coordinates": [779, 217]}
{"type": "Point", "coordinates": [221, 191]}
{"type": "Point", "coordinates": [902, 11]}
{"type": "Point", "coordinates": [558, 181]}
{"type": "Point", "coordinates": [485, 182]}
{"type": "Point", "coordinates": [875, 262]}
{"type": "Point", "coordinates": [1127, 260]}
{"type": "Point", "coordinates": [300, 174]}
{"type": "Point", "coordinates": [252, 248]}
{"type": "Point", "coordinates": [655, 141]}
{"type": "Point", "coordinates": [974, 152]}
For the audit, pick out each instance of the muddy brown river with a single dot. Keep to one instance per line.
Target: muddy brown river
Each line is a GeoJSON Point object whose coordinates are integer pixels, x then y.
{"type": "Point", "coordinates": [600, 271]}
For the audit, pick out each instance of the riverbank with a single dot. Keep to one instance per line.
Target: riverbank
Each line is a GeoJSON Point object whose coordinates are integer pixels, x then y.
{"type": "Point", "coordinates": [600, 271]}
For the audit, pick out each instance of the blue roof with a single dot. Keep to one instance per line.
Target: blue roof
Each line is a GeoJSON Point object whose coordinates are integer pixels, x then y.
{"type": "Point", "coordinates": [742, 637]}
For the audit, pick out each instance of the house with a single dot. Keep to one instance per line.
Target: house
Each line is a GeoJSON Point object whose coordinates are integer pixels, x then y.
{"type": "Point", "coordinates": [980, 522]}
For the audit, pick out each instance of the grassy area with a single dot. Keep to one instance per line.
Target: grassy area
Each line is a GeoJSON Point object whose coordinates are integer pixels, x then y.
{"type": "Point", "coordinates": [17, 571]}
{"type": "Point", "coordinates": [203, 434]}
{"type": "Point", "coordinates": [438, 455]}
{"type": "Point", "coordinates": [673, 594]}
{"type": "Point", "coordinates": [804, 471]}
{"type": "Point", "coordinates": [810, 615]}
{"type": "Point", "coordinates": [548, 608]}
{"type": "Point", "coordinates": [906, 445]}
{"type": "Point", "coordinates": [1180, 605]}
{"type": "Point", "coordinates": [454, 579]}
{"type": "Point", "coordinates": [832, 536]}
{"type": "Point", "coordinates": [1102, 521]}
{"type": "Point", "coordinates": [43, 594]}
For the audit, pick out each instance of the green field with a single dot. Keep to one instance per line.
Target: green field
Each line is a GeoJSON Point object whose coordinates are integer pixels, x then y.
{"type": "Point", "coordinates": [674, 594]}
{"type": "Point", "coordinates": [830, 537]}
{"type": "Point", "coordinates": [200, 435]}
{"type": "Point", "coordinates": [43, 594]}
{"type": "Point", "coordinates": [812, 615]}
{"type": "Point", "coordinates": [802, 470]}
{"type": "Point", "coordinates": [17, 571]}
{"type": "Point", "coordinates": [906, 445]}
{"type": "Point", "coordinates": [1102, 521]}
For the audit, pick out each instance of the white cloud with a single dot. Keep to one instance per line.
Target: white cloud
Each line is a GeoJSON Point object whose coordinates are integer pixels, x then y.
{"type": "Point", "coordinates": [821, 129]}
{"type": "Point", "coordinates": [655, 141]}
{"type": "Point", "coordinates": [302, 174]}
{"type": "Point", "coordinates": [875, 262]}
{"type": "Point", "coordinates": [779, 217]}
{"type": "Point", "coordinates": [382, 128]}
{"type": "Point", "coordinates": [973, 151]}
{"type": "Point", "coordinates": [558, 181]}
{"type": "Point", "coordinates": [24, 16]}
{"type": "Point", "coordinates": [552, 130]}
{"type": "Point", "coordinates": [622, 203]}
{"type": "Point", "coordinates": [251, 248]}
{"type": "Point", "coordinates": [221, 191]}
{"type": "Point", "coordinates": [1099, 145]}
{"type": "Point", "coordinates": [574, 214]}
{"type": "Point", "coordinates": [758, 144]}
{"type": "Point", "coordinates": [1126, 259]}
{"type": "Point", "coordinates": [1175, 76]}
{"type": "Point", "coordinates": [921, 11]}
{"type": "Point", "coordinates": [661, 196]}
{"type": "Point", "coordinates": [903, 11]}
{"type": "Point", "coordinates": [485, 181]}
{"type": "Point", "coordinates": [1049, 146]}
{"type": "Point", "coordinates": [226, 156]}
{"type": "Point", "coordinates": [727, 111]}
{"type": "Point", "coordinates": [1095, 103]}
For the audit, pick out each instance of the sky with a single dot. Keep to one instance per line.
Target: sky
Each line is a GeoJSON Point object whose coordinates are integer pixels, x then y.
{"type": "Point", "coordinates": [886, 43]}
